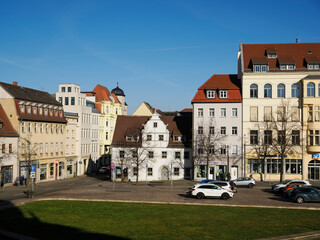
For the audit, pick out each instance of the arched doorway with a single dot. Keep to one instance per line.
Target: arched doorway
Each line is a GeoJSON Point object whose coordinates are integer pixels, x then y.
{"type": "Point", "coordinates": [164, 173]}
{"type": "Point", "coordinates": [314, 170]}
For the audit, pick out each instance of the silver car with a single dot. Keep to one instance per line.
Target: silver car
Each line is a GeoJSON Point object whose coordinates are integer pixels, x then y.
{"type": "Point", "coordinates": [244, 181]}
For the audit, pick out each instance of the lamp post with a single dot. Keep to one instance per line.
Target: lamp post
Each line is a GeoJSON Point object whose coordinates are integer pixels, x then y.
{"type": "Point", "coordinates": [228, 162]}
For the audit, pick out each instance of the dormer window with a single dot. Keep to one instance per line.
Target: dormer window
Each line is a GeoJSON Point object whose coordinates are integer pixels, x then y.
{"type": "Point", "coordinates": [223, 94]}
{"type": "Point", "coordinates": [155, 124]}
{"type": "Point", "coordinates": [271, 53]}
{"type": "Point", "coordinates": [313, 66]}
{"type": "Point", "coordinates": [28, 109]}
{"type": "Point", "coordinates": [176, 138]}
{"type": "Point", "coordinates": [287, 66]}
{"type": "Point", "coordinates": [259, 64]}
{"type": "Point", "coordinates": [211, 93]}
{"type": "Point", "coordinates": [22, 109]}
{"type": "Point", "coordinates": [260, 68]}
{"type": "Point", "coordinates": [34, 110]}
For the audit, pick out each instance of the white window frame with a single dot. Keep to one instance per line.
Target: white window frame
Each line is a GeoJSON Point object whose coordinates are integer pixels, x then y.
{"type": "Point", "coordinates": [223, 112]}
{"type": "Point", "coordinates": [223, 94]}
{"type": "Point", "coordinates": [234, 112]}
{"type": "Point", "coordinates": [211, 112]}
{"type": "Point", "coordinates": [200, 112]}
{"type": "Point", "coordinates": [211, 93]}
{"type": "Point", "coordinates": [234, 131]}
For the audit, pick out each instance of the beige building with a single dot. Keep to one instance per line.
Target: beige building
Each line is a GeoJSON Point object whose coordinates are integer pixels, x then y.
{"type": "Point", "coordinates": [311, 125]}
{"type": "Point", "coordinates": [39, 120]}
{"type": "Point", "coordinates": [272, 80]}
{"type": "Point", "coordinates": [145, 109]}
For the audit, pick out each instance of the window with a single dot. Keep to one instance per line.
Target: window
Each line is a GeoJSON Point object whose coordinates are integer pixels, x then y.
{"type": "Point", "coordinates": [176, 138]}
{"type": "Point", "coordinates": [253, 137]}
{"type": "Point", "coordinates": [253, 91]}
{"type": "Point", "coordinates": [22, 109]}
{"type": "Point", "coordinates": [281, 90]}
{"type": "Point", "coordinates": [295, 137]}
{"type": "Point", "coordinates": [310, 113]}
{"type": "Point", "coordinates": [46, 147]}
{"type": "Point", "coordinates": [61, 147]}
{"type": "Point", "coordinates": [63, 89]}
{"type": "Point", "coordinates": [211, 94]}
{"type": "Point", "coordinates": [177, 155]}
{"type": "Point", "coordinates": [267, 91]}
{"type": "Point", "coordinates": [263, 68]}
{"type": "Point", "coordinates": [60, 100]}
{"type": "Point", "coordinates": [200, 130]}
{"type": "Point", "coordinates": [121, 154]}
{"type": "Point", "coordinates": [223, 112]}
{"type": "Point", "coordinates": [281, 114]}
{"type": "Point", "coordinates": [149, 137]}
{"type": "Point", "coordinates": [211, 112]}
{"type": "Point", "coordinates": [107, 135]}
{"type": "Point", "coordinates": [40, 111]}
{"type": "Point", "coordinates": [164, 154]}
{"type": "Point", "coordinates": [69, 89]}
{"type": "Point", "coordinates": [51, 128]}
{"type": "Point", "coordinates": [41, 127]}
{"type": "Point", "coordinates": [295, 90]}
{"type": "Point", "coordinates": [223, 94]}
{"type": "Point", "coordinates": [267, 137]}
{"type": "Point", "coordinates": [234, 131]}
{"type": "Point", "coordinates": [134, 154]}
{"type": "Point", "coordinates": [200, 112]}
{"type": "Point", "coordinates": [314, 137]}
{"type": "Point", "coordinates": [186, 155]}
{"type": "Point", "coordinates": [281, 137]}
{"type": "Point", "coordinates": [47, 128]}
{"type": "Point", "coordinates": [56, 147]}
{"type": "Point", "coordinates": [257, 68]}
{"type": "Point", "coordinates": [234, 150]}
{"type": "Point", "coordinates": [310, 89]}
{"type": "Point", "coordinates": [155, 124]}
{"type": "Point", "coordinates": [200, 150]}
{"type": "Point", "coordinates": [10, 148]}
{"type": "Point", "coordinates": [51, 147]}
{"type": "Point", "coordinates": [260, 68]}
{"type": "Point", "coordinates": [310, 138]}
{"type": "Point", "coordinates": [135, 171]}
{"type": "Point", "coordinates": [176, 171]}
{"type": "Point", "coordinates": [3, 148]}
{"type": "Point", "coordinates": [223, 150]}
{"type": "Point", "coordinates": [57, 128]}
{"type": "Point", "coordinates": [28, 109]}
{"type": "Point", "coordinates": [211, 150]}
{"type": "Point", "coordinates": [34, 111]}
{"type": "Point", "coordinates": [72, 101]}
{"type": "Point", "coordinates": [29, 127]}
{"type": "Point", "coordinates": [253, 114]}
{"type": "Point", "coordinates": [234, 112]}
{"type": "Point", "coordinates": [223, 131]}
{"type": "Point", "coordinates": [107, 109]}
{"type": "Point", "coordinates": [211, 130]}
{"type": "Point", "coordinates": [46, 111]}
{"type": "Point", "coordinates": [267, 114]}
{"type": "Point", "coordinates": [36, 127]}
{"type": "Point", "coordinates": [23, 127]}
{"type": "Point", "coordinates": [150, 155]}
{"type": "Point", "coordinates": [66, 101]}
{"type": "Point", "coordinates": [295, 114]}
{"type": "Point", "coordinates": [160, 137]}
{"type": "Point", "coordinates": [149, 171]}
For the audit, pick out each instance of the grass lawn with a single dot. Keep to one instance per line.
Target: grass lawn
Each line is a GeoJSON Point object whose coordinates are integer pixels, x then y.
{"type": "Point", "coordinates": [103, 220]}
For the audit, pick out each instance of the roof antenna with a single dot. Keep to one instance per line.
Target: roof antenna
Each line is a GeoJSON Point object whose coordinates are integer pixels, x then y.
{"type": "Point", "coordinates": [117, 84]}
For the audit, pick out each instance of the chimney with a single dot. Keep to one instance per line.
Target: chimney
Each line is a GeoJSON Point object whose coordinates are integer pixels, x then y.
{"type": "Point", "coordinates": [15, 83]}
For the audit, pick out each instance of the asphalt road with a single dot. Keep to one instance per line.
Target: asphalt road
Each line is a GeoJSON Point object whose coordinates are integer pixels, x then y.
{"type": "Point", "coordinates": [97, 188]}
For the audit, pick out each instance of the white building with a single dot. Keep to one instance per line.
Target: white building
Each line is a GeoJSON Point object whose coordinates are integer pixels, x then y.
{"type": "Point", "coordinates": [9, 167]}
{"type": "Point", "coordinates": [83, 131]}
{"type": "Point", "coordinates": [217, 128]}
{"type": "Point", "coordinates": [155, 148]}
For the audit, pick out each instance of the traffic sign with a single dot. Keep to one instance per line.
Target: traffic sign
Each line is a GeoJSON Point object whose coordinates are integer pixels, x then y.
{"type": "Point", "coordinates": [32, 169]}
{"type": "Point", "coordinates": [32, 175]}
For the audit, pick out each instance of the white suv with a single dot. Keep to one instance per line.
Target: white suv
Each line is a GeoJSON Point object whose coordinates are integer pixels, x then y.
{"type": "Point", "coordinates": [210, 190]}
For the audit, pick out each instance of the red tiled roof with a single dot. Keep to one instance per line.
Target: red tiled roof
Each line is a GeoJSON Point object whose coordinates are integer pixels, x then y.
{"type": "Point", "coordinates": [115, 98]}
{"type": "Point", "coordinates": [187, 110]}
{"type": "Point", "coordinates": [286, 52]}
{"type": "Point", "coordinates": [228, 82]}
{"type": "Point", "coordinates": [177, 125]}
{"type": "Point", "coordinates": [7, 130]}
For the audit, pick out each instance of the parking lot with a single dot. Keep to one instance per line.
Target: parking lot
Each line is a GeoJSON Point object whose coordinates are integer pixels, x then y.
{"type": "Point", "coordinates": [164, 192]}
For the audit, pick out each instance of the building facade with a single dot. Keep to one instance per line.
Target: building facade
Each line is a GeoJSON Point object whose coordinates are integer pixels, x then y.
{"type": "Point", "coordinates": [39, 120]}
{"type": "Point", "coordinates": [273, 86]}
{"type": "Point", "coordinates": [152, 148]}
{"type": "Point", "coordinates": [9, 167]}
{"type": "Point", "coordinates": [82, 129]}
{"type": "Point", "coordinates": [217, 128]}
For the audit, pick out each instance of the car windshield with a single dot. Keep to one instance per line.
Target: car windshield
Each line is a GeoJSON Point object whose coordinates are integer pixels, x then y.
{"type": "Point", "coordinates": [287, 181]}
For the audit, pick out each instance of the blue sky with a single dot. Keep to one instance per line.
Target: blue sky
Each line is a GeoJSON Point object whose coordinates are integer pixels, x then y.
{"type": "Point", "coordinates": [160, 51]}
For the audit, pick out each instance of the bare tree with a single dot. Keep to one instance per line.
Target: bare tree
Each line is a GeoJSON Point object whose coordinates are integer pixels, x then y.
{"type": "Point", "coordinates": [207, 143]}
{"type": "Point", "coordinates": [28, 153]}
{"type": "Point", "coordinates": [287, 139]}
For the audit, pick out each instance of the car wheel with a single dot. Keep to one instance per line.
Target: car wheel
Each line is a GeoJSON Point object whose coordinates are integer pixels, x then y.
{"type": "Point", "coordinates": [200, 195]}
{"type": "Point", "coordinates": [250, 185]}
{"type": "Point", "coordinates": [225, 196]}
{"type": "Point", "coordinates": [300, 200]}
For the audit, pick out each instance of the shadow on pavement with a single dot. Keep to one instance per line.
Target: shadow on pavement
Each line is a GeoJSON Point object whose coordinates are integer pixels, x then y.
{"type": "Point", "coordinates": [15, 226]}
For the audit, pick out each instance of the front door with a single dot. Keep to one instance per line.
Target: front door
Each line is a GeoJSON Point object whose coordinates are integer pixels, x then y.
{"type": "Point", "coordinates": [234, 172]}
{"type": "Point", "coordinates": [211, 173]}
{"type": "Point", "coordinates": [164, 173]}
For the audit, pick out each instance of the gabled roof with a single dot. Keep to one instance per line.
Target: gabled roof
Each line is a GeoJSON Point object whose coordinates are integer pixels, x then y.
{"type": "Point", "coordinates": [287, 53]}
{"type": "Point", "coordinates": [103, 94]}
{"type": "Point", "coordinates": [127, 125]}
{"type": "Point", "coordinates": [228, 82]}
{"type": "Point", "coordinates": [28, 94]}
{"type": "Point", "coordinates": [7, 130]}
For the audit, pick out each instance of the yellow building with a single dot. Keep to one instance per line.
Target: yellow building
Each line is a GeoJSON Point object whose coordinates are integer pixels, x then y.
{"type": "Point", "coordinates": [39, 120]}
{"type": "Point", "coordinates": [311, 125]}
{"type": "Point", "coordinates": [145, 109]}
{"type": "Point", "coordinates": [110, 106]}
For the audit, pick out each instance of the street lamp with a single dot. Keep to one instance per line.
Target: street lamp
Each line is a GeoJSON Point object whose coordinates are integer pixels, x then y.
{"type": "Point", "coordinates": [228, 162]}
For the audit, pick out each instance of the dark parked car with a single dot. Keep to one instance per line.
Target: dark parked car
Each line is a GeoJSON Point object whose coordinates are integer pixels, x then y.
{"type": "Point", "coordinates": [306, 194]}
